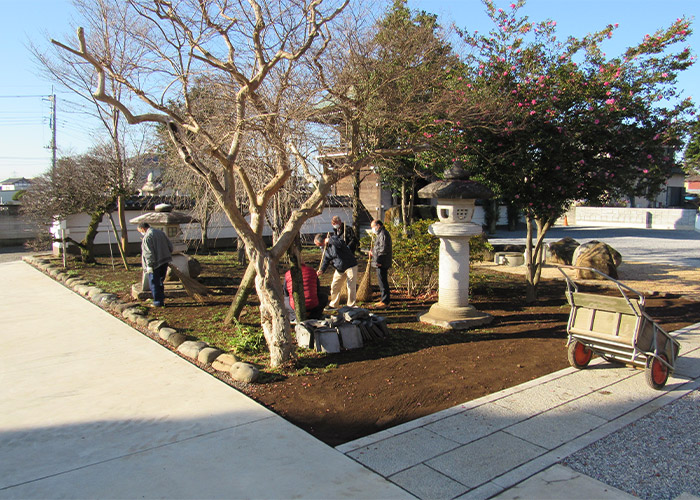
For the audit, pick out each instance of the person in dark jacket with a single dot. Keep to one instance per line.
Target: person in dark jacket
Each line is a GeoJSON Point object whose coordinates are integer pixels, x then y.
{"type": "Point", "coordinates": [345, 233]}
{"type": "Point", "coordinates": [156, 253]}
{"type": "Point", "coordinates": [314, 299]}
{"type": "Point", "coordinates": [381, 259]}
{"type": "Point", "coordinates": [337, 253]}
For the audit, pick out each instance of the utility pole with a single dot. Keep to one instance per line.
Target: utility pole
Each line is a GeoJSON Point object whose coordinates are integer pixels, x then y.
{"type": "Point", "coordinates": [52, 98]}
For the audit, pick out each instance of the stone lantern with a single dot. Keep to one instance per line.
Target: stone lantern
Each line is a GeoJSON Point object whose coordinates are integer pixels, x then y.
{"type": "Point", "coordinates": [166, 220]}
{"type": "Point", "coordinates": [456, 196]}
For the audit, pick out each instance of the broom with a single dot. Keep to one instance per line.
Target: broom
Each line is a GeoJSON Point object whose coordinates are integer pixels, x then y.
{"type": "Point", "coordinates": [193, 287]}
{"type": "Point", "coordinates": [364, 291]}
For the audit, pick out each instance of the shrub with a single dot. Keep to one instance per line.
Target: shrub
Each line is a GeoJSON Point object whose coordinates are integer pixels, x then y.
{"type": "Point", "coordinates": [415, 258]}
{"type": "Point", "coordinates": [416, 255]}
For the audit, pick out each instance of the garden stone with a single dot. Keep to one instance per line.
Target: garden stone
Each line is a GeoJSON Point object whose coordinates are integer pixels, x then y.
{"type": "Point", "coordinates": [156, 324]}
{"type": "Point", "coordinates": [94, 291]}
{"type": "Point", "coordinates": [244, 372]}
{"type": "Point", "coordinates": [224, 362]}
{"type": "Point", "coordinates": [562, 251]}
{"type": "Point", "coordinates": [304, 334]}
{"type": "Point", "coordinates": [62, 277]}
{"type": "Point", "coordinates": [131, 313]}
{"type": "Point", "coordinates": [617, 258]}
{"type": "Point", "coordinates": [208, 355]}
{"type": "Point", "coordinates": [191, 348]}
{"type": "Point", "coordinates": [122, 306]}
{"type": "Point", "coordinates": [165, 333]}
{"type": "Point", "coordinates": [177, 339]}
{"type": "Point", "coordinates": [104, 299]}
{"type": "Point", "coordinates": [141, 320]}
{"type": "Point", "coordinates": [598, 257]}
{"type": "Point", "coordinates": [82, 289]}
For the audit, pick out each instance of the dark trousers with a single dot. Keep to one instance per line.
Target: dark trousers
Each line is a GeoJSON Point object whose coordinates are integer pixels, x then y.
{"type": "Point", "coordinates": [383, 279]}
{"type": "Point", "coordinates": [155, 280]}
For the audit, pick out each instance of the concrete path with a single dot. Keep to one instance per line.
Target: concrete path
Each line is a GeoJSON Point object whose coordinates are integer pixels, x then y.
{"type": "Point", "coordinates": [664, 246]}
{"type": "Point", "coordinates": [507, 445]}
{"type": "Point", "coordinates": [91, 408]}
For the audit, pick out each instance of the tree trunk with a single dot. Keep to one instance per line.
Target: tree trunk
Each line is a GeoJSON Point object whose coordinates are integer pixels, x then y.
{"type": "Point", "coordinates": [122, 252]}
{"type": "Point", "coordinates": [411, 201]}
{"type": "Point", "coordinates": [87, 246]}
{"type": "Point", "coordinates": [273, 316]}
{"type": "Point", "coordinates": [534, 255]}
{"type": "Point", "coordinates": [204, 225]}
{"type": "Point", "coordinates": [122, 224]}
{"type": "Point", "coordinates": [356, 181]}
{"type": "Point", "coordinates": [297, 280]}
{"type": "Point", "coordinates": [240, 249]}
{"type": "Point", "coordinates": [239, 301]}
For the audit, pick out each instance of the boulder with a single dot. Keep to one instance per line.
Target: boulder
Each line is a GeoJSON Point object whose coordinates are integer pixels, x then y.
{"type": "Point", "coordinates": [176, 339]}
{"type": "Point", "coordinates": [156, 324]}
{"type": "Point", "coordinates": [208, 355]}
{"type": "Point", "coordinates": [598, 256]}
{"type": "Point", "coordinates": [562, 251]}
{"type": "Point", "coordinates": [617, 258]}
{"type": "Point", "coordinates": [224, 362]}
{"type": "Point", "coordinates": [191, 348]}
{"type": "Point", "coordinates": [244, 372]}
{"type": "Point", "coordinates": [165, 333]}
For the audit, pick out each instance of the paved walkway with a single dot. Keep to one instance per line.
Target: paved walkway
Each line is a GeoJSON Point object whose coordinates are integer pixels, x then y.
{"type": "Point", "coordinates": [91, 408]}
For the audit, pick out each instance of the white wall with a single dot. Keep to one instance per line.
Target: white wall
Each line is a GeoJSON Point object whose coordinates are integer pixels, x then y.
{"type": "Point", "coordinates": [655, 218]}
{"type": "Point", "coordinates": [219, 226]}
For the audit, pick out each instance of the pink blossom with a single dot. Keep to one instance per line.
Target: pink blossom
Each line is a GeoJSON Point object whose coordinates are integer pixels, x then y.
{"type": "Point", "coordinates": [610, 101]}
{"type": "Point", "coordinates": [597, 121]}
{"type": "Point", "coordinates": [532, 112]}
{"type": "Point", "coordinates": [664, 75]}
{"type": "Point", "coordinates": [645, 171]}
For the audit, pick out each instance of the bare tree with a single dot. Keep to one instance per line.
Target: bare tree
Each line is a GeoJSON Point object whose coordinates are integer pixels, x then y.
{"type": "Point", "coordinates": [84, 183]}
{"type": "Point", "coordinates": [106, 22]}
{"type": "Point", "coordinates": [255, 54]}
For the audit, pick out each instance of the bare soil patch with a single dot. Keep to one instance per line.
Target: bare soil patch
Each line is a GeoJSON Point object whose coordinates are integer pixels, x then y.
{"type": "Point", "coordinates": [419, 369]}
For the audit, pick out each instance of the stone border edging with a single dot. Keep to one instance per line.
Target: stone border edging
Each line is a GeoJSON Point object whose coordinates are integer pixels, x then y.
{"type": "Point", "coordinates": [132, 313]}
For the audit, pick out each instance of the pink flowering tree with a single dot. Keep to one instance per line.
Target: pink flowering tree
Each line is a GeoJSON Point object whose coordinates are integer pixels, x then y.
{"type": "Point", "coordinates": [581, 126]}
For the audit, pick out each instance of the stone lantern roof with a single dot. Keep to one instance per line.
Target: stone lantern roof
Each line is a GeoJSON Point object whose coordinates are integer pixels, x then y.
{"type": "Point", "coordinates": [456, 185]}
{"type": "Point", "coordinates": [163, 216]}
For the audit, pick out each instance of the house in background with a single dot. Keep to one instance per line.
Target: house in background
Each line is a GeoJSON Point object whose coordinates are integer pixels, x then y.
{"type": "Point", "coordinates": [375, 199]}
{"type": "Point", "coordinates": [10, 187]}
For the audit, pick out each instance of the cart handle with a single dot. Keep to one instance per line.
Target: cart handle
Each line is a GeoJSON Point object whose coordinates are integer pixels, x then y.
{"type": "Point", "coordinates": [570, 283]}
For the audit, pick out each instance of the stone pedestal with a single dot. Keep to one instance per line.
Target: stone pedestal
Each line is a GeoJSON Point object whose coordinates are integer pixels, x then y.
{"type": "Point", "coordinates": [452, 309]}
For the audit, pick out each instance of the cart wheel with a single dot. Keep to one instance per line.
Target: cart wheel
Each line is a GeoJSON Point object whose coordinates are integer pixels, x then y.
{"type": "Point", "coordinates": [579, 355]}
{"type": "Point", "coordinates": [656, 373]}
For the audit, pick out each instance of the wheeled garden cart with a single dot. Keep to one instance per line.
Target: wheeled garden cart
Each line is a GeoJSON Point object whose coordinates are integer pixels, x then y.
{"type": "Point", "coordinates": [617, 329]}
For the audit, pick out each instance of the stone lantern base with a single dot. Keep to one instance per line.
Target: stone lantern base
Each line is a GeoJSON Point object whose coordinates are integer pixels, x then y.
{"type": "Point", "coordinates": [455, 318]}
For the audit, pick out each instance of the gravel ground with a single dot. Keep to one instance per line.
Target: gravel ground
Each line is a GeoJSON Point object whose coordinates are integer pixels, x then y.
{"type": "Point", "coordinates": [657, 457]}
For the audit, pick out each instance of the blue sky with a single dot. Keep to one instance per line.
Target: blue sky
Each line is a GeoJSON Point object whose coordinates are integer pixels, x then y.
{"type": "Point", "coordinates": [25, 111]}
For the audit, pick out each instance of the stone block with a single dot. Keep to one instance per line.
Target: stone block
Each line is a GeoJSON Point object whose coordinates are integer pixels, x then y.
{"type": "Point", "coordinates": [350, 336]}
{"type": "Point", "coordinates": [141, 320]}
{"type": "Point", "coordinates": [208, 355]}
{"type": "Point", "coordinates": [327, 340]}
{"type": "Point", "coordinates": [93, 291]}
{"type": "Point", "coordinates": [156, 324]}
{"type": "Point", "coordinates": [176, 339]}
{"type": "Point", "coordinates": [191, 348]}
{"type": "Point", "coordinates": [165, 333]}
{"type": "Point", "coordinates": [244, 372]}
